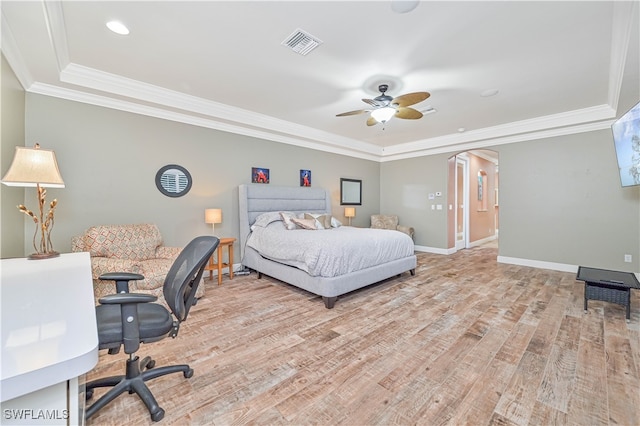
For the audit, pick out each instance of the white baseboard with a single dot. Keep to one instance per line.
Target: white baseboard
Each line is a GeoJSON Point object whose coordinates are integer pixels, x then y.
{"type": "Point", "coordinates": [540, 264]}
{"type": "Point", "coordinates": [434, 250]}
{"type": "Point", "coordinates": [482, 241]}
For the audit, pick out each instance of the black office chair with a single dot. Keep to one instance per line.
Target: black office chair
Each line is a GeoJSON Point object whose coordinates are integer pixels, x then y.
{"type": "Point", "coordinates": [129, 319]}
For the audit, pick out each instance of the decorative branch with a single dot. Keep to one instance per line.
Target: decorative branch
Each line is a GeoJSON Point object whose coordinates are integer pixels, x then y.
{"type": "Point", "coordinates": [49, 224]}
{"type": "Point", "coordinates": [29, 213]}
{"type": "Point", "coordinates": [44, 223]}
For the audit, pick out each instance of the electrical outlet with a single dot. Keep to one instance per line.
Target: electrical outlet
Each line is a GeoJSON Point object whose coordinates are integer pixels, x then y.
{"type": "Point", "coordinates": [628, 258]}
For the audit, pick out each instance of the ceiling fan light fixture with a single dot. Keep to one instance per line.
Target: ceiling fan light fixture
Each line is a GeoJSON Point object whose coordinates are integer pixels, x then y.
{"type": "Point", "coordinates": [382, 115]}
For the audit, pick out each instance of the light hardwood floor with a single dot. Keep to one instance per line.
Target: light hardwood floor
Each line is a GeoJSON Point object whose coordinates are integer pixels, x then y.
{"type": "Point", "coordinates": [466, 341]}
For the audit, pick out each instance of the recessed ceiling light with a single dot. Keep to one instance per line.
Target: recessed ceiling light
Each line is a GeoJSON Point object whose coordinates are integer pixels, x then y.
{"type": "Point", "coordinates": [118, 27]}
{"type": "Point", "coordinates": [489, 92]}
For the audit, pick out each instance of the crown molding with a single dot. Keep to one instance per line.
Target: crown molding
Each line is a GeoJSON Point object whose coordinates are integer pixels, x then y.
{"type": "Point", "coordinates": [54, 19]}
{"type": "Point", "coordinates": [10, 51]}
{"type": "Point", "coordinates": [247, 122]}
{"type": "Point", "coordinates": [564, 123]}
{"type": "Point", "coordinates": [164, 114]}
{"type": "Point", "coordinates": [110, 83]}
{"type": "Point", "coordinates": [487, 143]}
{"type": "Point", "coordinates": [623, 15]}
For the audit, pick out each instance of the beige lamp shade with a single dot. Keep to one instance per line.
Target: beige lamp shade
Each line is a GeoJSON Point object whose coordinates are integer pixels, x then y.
{"type": "Point", "coordinates": [349, 212]}
{"type": "Point", "coordinates": [213, 216]}
{"type": "Point", "coordinates": [33, 166]}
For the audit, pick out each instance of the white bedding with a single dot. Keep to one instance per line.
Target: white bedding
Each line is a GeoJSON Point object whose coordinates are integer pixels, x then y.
{"type": "Point", "coordinates": [327, 252]}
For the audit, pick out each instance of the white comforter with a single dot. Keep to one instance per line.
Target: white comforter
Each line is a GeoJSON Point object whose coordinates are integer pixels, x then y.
{"type": "Point", "coordinates": [328, 252]}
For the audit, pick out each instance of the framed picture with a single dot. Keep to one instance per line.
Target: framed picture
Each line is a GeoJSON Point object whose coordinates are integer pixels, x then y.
{"type": "Point", "coordinates": [350, 192]}
{"type": "Point", "coordinates": [259, 175]}
{"type": "Point", "coordinates": [305, 177]}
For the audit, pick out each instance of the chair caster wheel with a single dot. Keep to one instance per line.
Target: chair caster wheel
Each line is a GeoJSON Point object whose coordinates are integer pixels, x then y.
{"type": "Point", "coordinates": [158, 415]}
{"type": "Point", "coordinates": [88, 394]}
{"type": "Point", "coordinates": [188, 374]}
{"type": "Point", "coordinates": [147, 363]}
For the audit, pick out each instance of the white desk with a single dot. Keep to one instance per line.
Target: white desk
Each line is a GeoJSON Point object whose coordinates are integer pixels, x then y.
{"type": "Point", "coordinates": [49, 333]}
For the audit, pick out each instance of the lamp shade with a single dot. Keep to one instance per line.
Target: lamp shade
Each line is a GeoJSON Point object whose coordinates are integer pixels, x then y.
{"type": "Point", "coordinates": [213, 216]}
{"type": "Point", "coordinates": [33, 166]}
{"type": "Point", "coordinates": [349, 212]}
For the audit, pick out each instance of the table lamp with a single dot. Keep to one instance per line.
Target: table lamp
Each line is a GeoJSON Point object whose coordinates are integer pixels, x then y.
{"type": "Point", "coordinates": [349, 212]}
{"type": "Point", "coordinates": [35, 167]}
{"type": "Point", "coordinates": [213, 216]}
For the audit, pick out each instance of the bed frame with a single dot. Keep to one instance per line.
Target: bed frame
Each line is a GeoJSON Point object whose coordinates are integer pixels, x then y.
{"type": "Point", "coordinates": [256, 199]}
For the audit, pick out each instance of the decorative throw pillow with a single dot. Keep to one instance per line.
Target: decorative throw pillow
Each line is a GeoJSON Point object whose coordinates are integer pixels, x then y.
{"type": "Point", "coordinates": [325, 220]}
{"type": "Point", "coordinates": [322, 221]}
{"type": "Point", "coordinates": [335, 223]}
{"type": "Point", "coordinates": [287, 220]}
{"type": "Point", "coordinates": [305, 223]}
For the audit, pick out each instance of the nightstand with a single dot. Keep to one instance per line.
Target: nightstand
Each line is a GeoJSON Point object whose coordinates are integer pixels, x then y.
{"type": "Point", "coordinates": [217, 266]}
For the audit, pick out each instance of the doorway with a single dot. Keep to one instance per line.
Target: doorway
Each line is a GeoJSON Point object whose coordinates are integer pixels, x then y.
{"type": "Point", "coordinates": [473, 182]}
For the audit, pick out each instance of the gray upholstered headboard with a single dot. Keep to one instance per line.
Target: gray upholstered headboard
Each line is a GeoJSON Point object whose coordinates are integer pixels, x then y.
{"type": "Point", "coordinates": [255, 199]}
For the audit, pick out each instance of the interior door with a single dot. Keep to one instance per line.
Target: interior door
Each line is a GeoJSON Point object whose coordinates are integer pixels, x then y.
{"type": "Point", "coordinates": [462, 201]}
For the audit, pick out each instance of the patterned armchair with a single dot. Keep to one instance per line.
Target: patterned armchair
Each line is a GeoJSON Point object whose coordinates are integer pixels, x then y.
{"type": "Point", "coordinates": [382, 221]}
{"type": "Point", "coordinates": [128, 248]}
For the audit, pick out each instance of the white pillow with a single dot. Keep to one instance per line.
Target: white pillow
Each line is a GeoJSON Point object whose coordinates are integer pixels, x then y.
{"type": "Point", "coordinates": [266, 218]}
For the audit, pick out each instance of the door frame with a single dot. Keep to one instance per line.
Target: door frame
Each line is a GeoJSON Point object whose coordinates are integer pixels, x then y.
{"type": "Point", "coordinates": [463, 160]}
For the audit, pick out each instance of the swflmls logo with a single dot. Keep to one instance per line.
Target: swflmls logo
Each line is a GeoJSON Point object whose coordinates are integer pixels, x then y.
{"type": "Point", "coordinates": [30, 414]}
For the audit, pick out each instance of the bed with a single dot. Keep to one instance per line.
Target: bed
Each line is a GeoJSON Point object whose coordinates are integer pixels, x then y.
{"type": "Point", "coordinates": [259, 199]}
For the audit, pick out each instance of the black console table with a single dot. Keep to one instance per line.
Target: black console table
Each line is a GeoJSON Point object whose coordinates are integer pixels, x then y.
{"type": "Point", "coordinates": [609, 286]}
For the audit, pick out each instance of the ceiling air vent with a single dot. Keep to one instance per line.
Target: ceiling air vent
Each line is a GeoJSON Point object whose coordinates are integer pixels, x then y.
{"type": "Point", "coordinates": [302, 42]}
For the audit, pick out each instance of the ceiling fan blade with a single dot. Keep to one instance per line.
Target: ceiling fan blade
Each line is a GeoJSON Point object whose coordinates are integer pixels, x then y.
{"type": "Point", "coordinates": [408, 113]}
{"type": "Point", "coordinates": [360, 111]}
{"type": "Point", "coordinates": [374, 102]}
{"type": "Point", "coordinates": [371, 121]}
{"type": "Point", "coordinates": [410, 98]}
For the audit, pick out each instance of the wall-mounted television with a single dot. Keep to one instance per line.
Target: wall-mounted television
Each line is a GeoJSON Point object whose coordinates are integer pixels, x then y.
{"type": "Point", "coordinates": [626, 138]}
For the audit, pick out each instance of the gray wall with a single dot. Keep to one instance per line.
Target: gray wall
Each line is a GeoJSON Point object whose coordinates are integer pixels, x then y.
{"type": "Point", "coordinates": [405, 186]}
{"type": "Point", "coordinates": [560, 201]}
{"type": "Point", "coordinates": [109, 159]}
{"type": "Point", "coordinates": [11, 134]}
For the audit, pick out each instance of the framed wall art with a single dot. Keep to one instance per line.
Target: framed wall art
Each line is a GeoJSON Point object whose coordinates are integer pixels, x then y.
{"type": "Point", "coordinates": [259, 175]}
{"type": "Point", "coordinates": [305, 177]}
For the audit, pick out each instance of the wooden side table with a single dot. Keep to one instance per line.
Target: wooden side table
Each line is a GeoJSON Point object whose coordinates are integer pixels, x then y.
{"type": "Point", "coordinates": [217, 266]}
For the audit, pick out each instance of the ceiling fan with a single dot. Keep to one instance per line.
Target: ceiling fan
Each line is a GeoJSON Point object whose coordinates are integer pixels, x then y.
{"type": "Point", "coordinates": [384, 106]}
